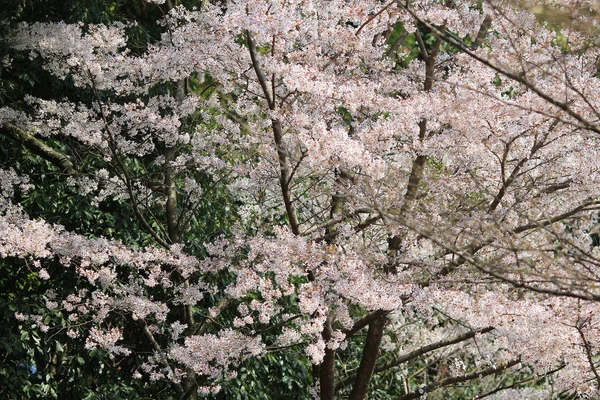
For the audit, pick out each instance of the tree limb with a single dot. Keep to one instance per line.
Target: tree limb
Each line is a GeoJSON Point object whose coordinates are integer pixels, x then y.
{"type": "Point", "coordinates": [125, 178]}
{"type": "Point", "coordinates": [459, 379]}
{"type": "Point", "coordinates": [150, 337]}
{"type": "Point", "coordinates": [518, 383]}
{"type": "Point", "coordinates": [361, 323]}
{"type": "Point", "coordinates": [335, 220]}
{"type": "Point", "coordinates": [431, 347]}
{"type": "Point", "coordinates": [549, 221]}
{"type": "Point", "coordinates": [284, 173]}
{"type": "Point", "coordinates": [420, 351]}
{"type": "Point", "coordinates": [39, 148]}
{"type": "Point", "coordinates": [588, 352]}
{"type": "Point", "coordinates": [482, 33]}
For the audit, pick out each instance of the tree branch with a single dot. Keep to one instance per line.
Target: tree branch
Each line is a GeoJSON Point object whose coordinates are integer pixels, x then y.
{"type": "Point", "coordinates": [38, 147]}
{"type": "Point", "coordinates": [336, 220]}
{"type": "Point", "coordinates": [170, 183]}
{"type": "Point", "coordinates": [150, 337]}
{"type": "Point", "coordinates": [458, 379]}
{"type": "Point", "coordinates": [284, 174]}
{"type": "Point", "coordinates": [262, 79]}
{"type": "Point", "coordinates": [518, 383]}
{"type": "Point", "coordinates": [420, 351]}
{"type": "Point", "coordinates": [416, 172]}
{"type": "Point", "coordinates": [588, 352]}
{"type": "Point", "coordinates": [361, 323]}
{"type": "Point", "coordinates": [125, 178]}
{"type": "Point", "coordinates": [482, 33]}
{"type": "Point", "coordinates": [208, 322]}
{"type": "Point", "coordinates": [431, 347]}
{"type": "Point", "coordinates": [371, 18]}
{"type": "Point", "coordinates": [549, 221]}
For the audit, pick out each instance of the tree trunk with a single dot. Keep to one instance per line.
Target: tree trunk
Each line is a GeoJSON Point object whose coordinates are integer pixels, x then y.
{"type": "Point", "coordinates": [369, 358]}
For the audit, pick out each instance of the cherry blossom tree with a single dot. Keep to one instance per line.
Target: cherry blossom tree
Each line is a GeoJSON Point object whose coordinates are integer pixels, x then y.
{"type": "Point", "coordinates": [408, 194]}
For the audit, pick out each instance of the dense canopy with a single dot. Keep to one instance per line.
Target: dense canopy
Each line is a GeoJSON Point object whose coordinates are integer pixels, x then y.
{"type": "Point", "coordinates": [307, 198]}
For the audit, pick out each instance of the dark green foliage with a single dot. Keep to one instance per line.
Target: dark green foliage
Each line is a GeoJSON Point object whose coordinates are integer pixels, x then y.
{"type": "Point", "coordinates": [276, 376]}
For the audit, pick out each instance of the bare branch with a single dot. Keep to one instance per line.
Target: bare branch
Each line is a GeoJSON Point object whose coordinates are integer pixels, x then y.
{"type": "Point", "coordinates": [262, 79]}
{"type": "Point", "coordinates": [482, 33]}
{"type": "Point", "coordinates": [422, 48]}
{"type": "Point", "coordinates": [549, 221]}
{"type": "Point", "coordinates": [431, 347]}
{"type": "Point", "coordinates": [419, 352]}
{"type": "Point", "coordinates": [39, 148]}
{"type": "Point", "coordinates": [371, 18]}
{"type": "Point", "coordinates": [458, 379]}
{"type": "Point", "coordinates": [518, 383]}
{"type": "Point", "coordinates": [361, 323]}
{"type": "Point", "coordinates": [588, 351]}
{"type": "Point", "coordinates": [337, 220]}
